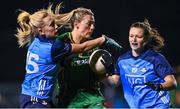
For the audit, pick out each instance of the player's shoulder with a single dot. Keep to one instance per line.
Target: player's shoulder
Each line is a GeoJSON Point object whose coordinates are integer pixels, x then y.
{"type": "Point", "coordinates": [63, 36]}
{"type": "Point", "coordinates": [125, 56]}
{"type": "Point", "coordinates": [156, 56]}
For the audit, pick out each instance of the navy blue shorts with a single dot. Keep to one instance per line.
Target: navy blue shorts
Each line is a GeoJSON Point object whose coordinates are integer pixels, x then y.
{"type": "Point", "coordinates": [27, 101]}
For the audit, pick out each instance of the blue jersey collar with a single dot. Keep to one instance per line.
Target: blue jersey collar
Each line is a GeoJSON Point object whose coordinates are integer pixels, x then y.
{"type": "Point", "coordinates": [146, 51]}
{"type": "Point", "coordinates": [45, 39]}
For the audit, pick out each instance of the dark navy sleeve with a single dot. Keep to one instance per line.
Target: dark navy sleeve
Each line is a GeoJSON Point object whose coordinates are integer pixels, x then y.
{"type": "Point", "coordinates": [117, 70]}
{"type": "Point", "coordinates": [60, 50]}
{"type": "Point", "coordinates": [162, 66]}
{"type": "Point", "coordinates": [123, 56]}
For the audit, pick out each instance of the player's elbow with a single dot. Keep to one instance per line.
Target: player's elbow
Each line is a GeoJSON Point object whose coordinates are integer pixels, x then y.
{"type": "Point", "coordinates": [174, 84]}
{"type": "Point", "coordinates": [170, 82]}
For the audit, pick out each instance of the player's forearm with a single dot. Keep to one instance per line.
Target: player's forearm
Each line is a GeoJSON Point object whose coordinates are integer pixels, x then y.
{"type": "Point", "coordinates": [169, 84]}
{"type": "Point", "coordinates": [79, 48]}
{"type": "Point", "coordinates": [93, 43]}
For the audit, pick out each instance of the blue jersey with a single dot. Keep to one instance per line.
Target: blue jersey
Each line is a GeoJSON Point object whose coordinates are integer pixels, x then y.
{"type": "Point", "coordinates": [42, 66]}
{"type": "Point", "coordinates": [136, 71]}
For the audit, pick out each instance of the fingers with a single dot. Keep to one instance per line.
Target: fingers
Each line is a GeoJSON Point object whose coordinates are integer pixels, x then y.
{"type": "Point", "coordinates": [153, 86]}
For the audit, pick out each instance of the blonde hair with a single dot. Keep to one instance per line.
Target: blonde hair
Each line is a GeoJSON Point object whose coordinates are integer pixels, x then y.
{"type": "Point", "coordinates": [154, 40]}
{"type": "Point", "coordinates": [71, 17]}
{"type": "Point", "coordinates": [29, 23]}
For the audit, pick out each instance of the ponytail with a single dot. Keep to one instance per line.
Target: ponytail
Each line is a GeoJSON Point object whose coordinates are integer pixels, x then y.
{"type": "Point", "coordinates": [24, 32]}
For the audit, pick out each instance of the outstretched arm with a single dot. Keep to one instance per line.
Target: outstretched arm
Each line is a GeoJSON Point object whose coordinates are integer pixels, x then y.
{"type": "Point", "coordinates": [169, 84]}
{"type": "Point", "coordinates": [78, 48]}
{"type": "Point", "coordinates": [61, 49]}
{"type": "Point", "coordinates": [109, 42]}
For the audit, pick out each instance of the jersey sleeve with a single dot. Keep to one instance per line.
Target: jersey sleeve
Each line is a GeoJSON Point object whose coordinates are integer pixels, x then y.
{"type": "Point", "coordinates": [60, 50]}
{"type": "Point", "coordinates": [117, 69]}
{"type": "Point", "coordinates": [162, 66]}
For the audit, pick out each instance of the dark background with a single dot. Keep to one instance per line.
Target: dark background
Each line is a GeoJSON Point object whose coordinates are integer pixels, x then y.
{"type": "Point", "coordinates": [113, 18]}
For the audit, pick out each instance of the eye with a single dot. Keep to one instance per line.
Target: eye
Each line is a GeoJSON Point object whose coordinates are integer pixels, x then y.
{"type": "Point", "coordinates": [140, 36]}
{"type": "Point", "coordinates": [130, 35]}
{"type": "Point", "coordinates": [90, 23]}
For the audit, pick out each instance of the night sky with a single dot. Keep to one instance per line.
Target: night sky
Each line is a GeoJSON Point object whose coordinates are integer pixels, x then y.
{"type": "Point", "coordinates": [113, 18]}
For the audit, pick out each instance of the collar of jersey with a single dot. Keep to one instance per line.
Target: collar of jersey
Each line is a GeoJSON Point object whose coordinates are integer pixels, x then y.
{"type": "Point", "coordinates": [142, 54]}
{"type": "Point", "coordinates": [45, 39]}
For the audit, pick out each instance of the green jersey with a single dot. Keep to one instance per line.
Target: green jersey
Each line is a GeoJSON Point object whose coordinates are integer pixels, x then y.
{"type": "Point", "coordinates": [77, 76]}
{"type": "Point", "coordinates": [77, 73]}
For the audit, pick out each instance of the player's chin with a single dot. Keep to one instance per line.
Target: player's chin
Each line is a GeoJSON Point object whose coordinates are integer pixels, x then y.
{"type": "Point", "coordinates": [134, 47]}
{"type": "Point", "coordinates": [51, 35]}
{"type": "Point", "coordinates": [88, 37]}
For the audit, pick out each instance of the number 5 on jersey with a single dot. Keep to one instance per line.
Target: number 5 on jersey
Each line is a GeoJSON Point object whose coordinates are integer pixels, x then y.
{"type": "Point", "coordinates": [31, 65]}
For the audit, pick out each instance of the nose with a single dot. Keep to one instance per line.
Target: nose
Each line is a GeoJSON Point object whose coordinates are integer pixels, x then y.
{"type": "Point", "coordinates": [92, 27]}
{"type": "Point", "coordinates": [134, 39]}
{"type": "Point", "coordinates": [56, 27]}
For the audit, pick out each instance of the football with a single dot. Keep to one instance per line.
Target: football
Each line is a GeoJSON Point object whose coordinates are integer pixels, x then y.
{"type": "Point", "coordinates": [95, 62]}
